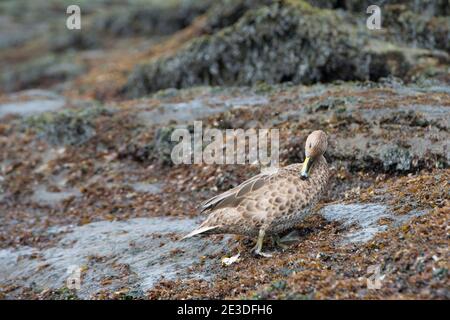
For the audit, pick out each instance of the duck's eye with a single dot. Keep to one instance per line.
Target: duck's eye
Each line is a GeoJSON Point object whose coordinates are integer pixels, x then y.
{"type": "Point", "coordinates": [310, 146]}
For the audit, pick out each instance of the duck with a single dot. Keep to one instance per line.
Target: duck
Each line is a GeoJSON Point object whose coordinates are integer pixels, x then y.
{"type": "Point", "coordinates": [271, 202]}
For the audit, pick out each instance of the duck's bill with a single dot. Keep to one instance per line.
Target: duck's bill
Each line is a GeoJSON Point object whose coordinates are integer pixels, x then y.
{"type": "Point", "coordinates": [304, 173]}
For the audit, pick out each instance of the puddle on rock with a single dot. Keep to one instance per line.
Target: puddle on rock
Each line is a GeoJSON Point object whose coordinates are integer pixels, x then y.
{"type": "Point", "coordinates": [196, 109]}
{"type": "Point", "coordinates": [42, 196]}
{"type": "Point", "coordinates": [32, 102]}
{"type": "Point", "coordinates": [144, 245]}
{"type": "Point", "coordinates": [179, 112]}
{"type": "Point", "coordinates": [365, 217]}
{"type": "Point", "coordinates": [148, 187]}
{"type": "Point", "coordinates": [249, 101]}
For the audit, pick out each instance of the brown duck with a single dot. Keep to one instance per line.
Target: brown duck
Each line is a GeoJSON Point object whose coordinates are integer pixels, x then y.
{"type": "Point", "coordinates": [270, 202]}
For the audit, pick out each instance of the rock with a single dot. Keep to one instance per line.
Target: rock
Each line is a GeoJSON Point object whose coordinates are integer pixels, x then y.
{"type": "Point", "coordinates": [74, 40]}
{"type": "Point", "coordinates": [162, 146]}
{"type": "Point", "coordinates": [46, 70]}
{"type": "Point", "coordinates": [145, 245]}
{"type": "Point", "coordinates": [31, 102]}
{"type": "Point", "coordinates": [433, 7]}
{"type": "Point", "coordinates": [13, 33]}
{"type": "Point", "coordinates": [228, 12]}
{"type": "Point", "coordinates": [157, 150]}
{"type": "Point", "coordinates": [156, 19]}
{"type": "Point", "coordinates": [288, 41]}
{"type": "Point", "coordinates": [390, 62]}
{"type": "Point", "coordinates": [278, 43]}
{"type": "Point", "coordinates": [424, 24]}
{"type": "Point", "coordinates": [68, 127]}
{"type": "Point", "coordinates": [396, 158]}
{"type": "Point", "coordinates": [366, 217]}
{"type": "Point", "coordinates": [418, 29]}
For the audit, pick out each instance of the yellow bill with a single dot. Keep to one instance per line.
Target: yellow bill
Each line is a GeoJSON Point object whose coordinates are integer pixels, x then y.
{"type": "Point", "coordinates": [305, 168]}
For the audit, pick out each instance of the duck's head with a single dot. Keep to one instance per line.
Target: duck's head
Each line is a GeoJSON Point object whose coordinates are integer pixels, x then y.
{"type": "Point", "coordinates": [316, 145]}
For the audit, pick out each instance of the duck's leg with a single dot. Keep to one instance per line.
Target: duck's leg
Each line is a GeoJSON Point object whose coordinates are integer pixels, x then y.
{"type": "Point", "coordinates": [277, 241]}
{"type": "Point", "coordinates": [257, 249]}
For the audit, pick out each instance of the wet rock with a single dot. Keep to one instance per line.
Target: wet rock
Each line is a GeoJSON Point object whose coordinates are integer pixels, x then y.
{"type": "Point", "coordinates": [138, 252]}
{"type": "Point", "coordinates": [148, 187]}
{"type": "Point", "coordinates": [405, 138]}
{"type": "Point", "coordinates": [384, 155]}
{"type": "Point", "coordinates": [31, 102]}
{"type": "Point", "coordinates": [183, 112]}
{"type": "Point", "coordinates": [43, 196]}
{"type": "Point", "coordinates": [365, 219]}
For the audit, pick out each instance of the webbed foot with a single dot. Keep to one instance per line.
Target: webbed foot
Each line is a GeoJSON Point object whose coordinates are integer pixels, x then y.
{"type": "Point", "coordinates": [262, 254]}
{"type": "Point", "coordinates": [277, 241]}
{"type": "Point", "coordinates": [257, 249]}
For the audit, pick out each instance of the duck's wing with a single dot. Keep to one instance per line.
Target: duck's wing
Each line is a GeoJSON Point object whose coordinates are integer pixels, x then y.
{"type": "Point", "coordinates": [233, 197]}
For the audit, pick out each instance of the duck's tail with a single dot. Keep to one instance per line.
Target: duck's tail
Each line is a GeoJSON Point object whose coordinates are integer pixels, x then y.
{"type": "Point", "coordinates": [199, 231]}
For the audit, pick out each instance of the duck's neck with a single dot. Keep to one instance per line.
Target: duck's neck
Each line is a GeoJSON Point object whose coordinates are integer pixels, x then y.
{"type": "Point", "coordinates": [320, 166]}
{"type": "Point", "coordinates": [318, 179]}
{"type": "Point", "coordinates": [320, 161]}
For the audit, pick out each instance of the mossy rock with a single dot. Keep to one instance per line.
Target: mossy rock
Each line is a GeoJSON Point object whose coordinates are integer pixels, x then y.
{"type": "Point", "coordinates": [150, 19]}
{"type": "Point", "coordinates": [47, 70]}
{"type": "Point", "coordinates": [430, 7]}
{"type": "Point", "coordinates": [68, 127]}
{"type": "Point", "coordinates": [283, 42]}
{"type": "Point", "coordinates": [227, 12]}
{"type": "Point", "coordinates": [419, 30]}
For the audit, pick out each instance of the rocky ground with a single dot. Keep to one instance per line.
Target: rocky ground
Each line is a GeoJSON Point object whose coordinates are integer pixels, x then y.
{"type": "Point", "coordinates": [86, 178]}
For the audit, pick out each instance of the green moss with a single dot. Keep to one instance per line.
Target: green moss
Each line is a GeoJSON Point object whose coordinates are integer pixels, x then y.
{"type": "Point", "coordinates": [420, 30]}
{"type": "Point", "coordinates": [64, 293]}
{"type": "Point", "coordinates": [305, 7]}
{"type": "Point", "coordinates": [68, 127]}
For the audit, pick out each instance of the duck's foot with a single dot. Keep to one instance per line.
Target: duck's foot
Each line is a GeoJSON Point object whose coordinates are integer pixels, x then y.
{"type": "Point", "coordinates": [262, 254]}
{"type": "Point", "coordinates": [257, 249]}
{"type": "Point", "coordinates": [278, 242]}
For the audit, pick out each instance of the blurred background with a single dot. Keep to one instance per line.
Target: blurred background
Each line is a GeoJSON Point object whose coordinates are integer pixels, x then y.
{"type": "Point", "coordinates": [86, 118]}
{"type": "Point", "coordinates": [271, 44]}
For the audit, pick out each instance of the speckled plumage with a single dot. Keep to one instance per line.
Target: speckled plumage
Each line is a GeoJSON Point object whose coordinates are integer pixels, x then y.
{"type": "Point", "coordinates": [279, 204]}
{"type": "Point", "coordinates": [271, 202]}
